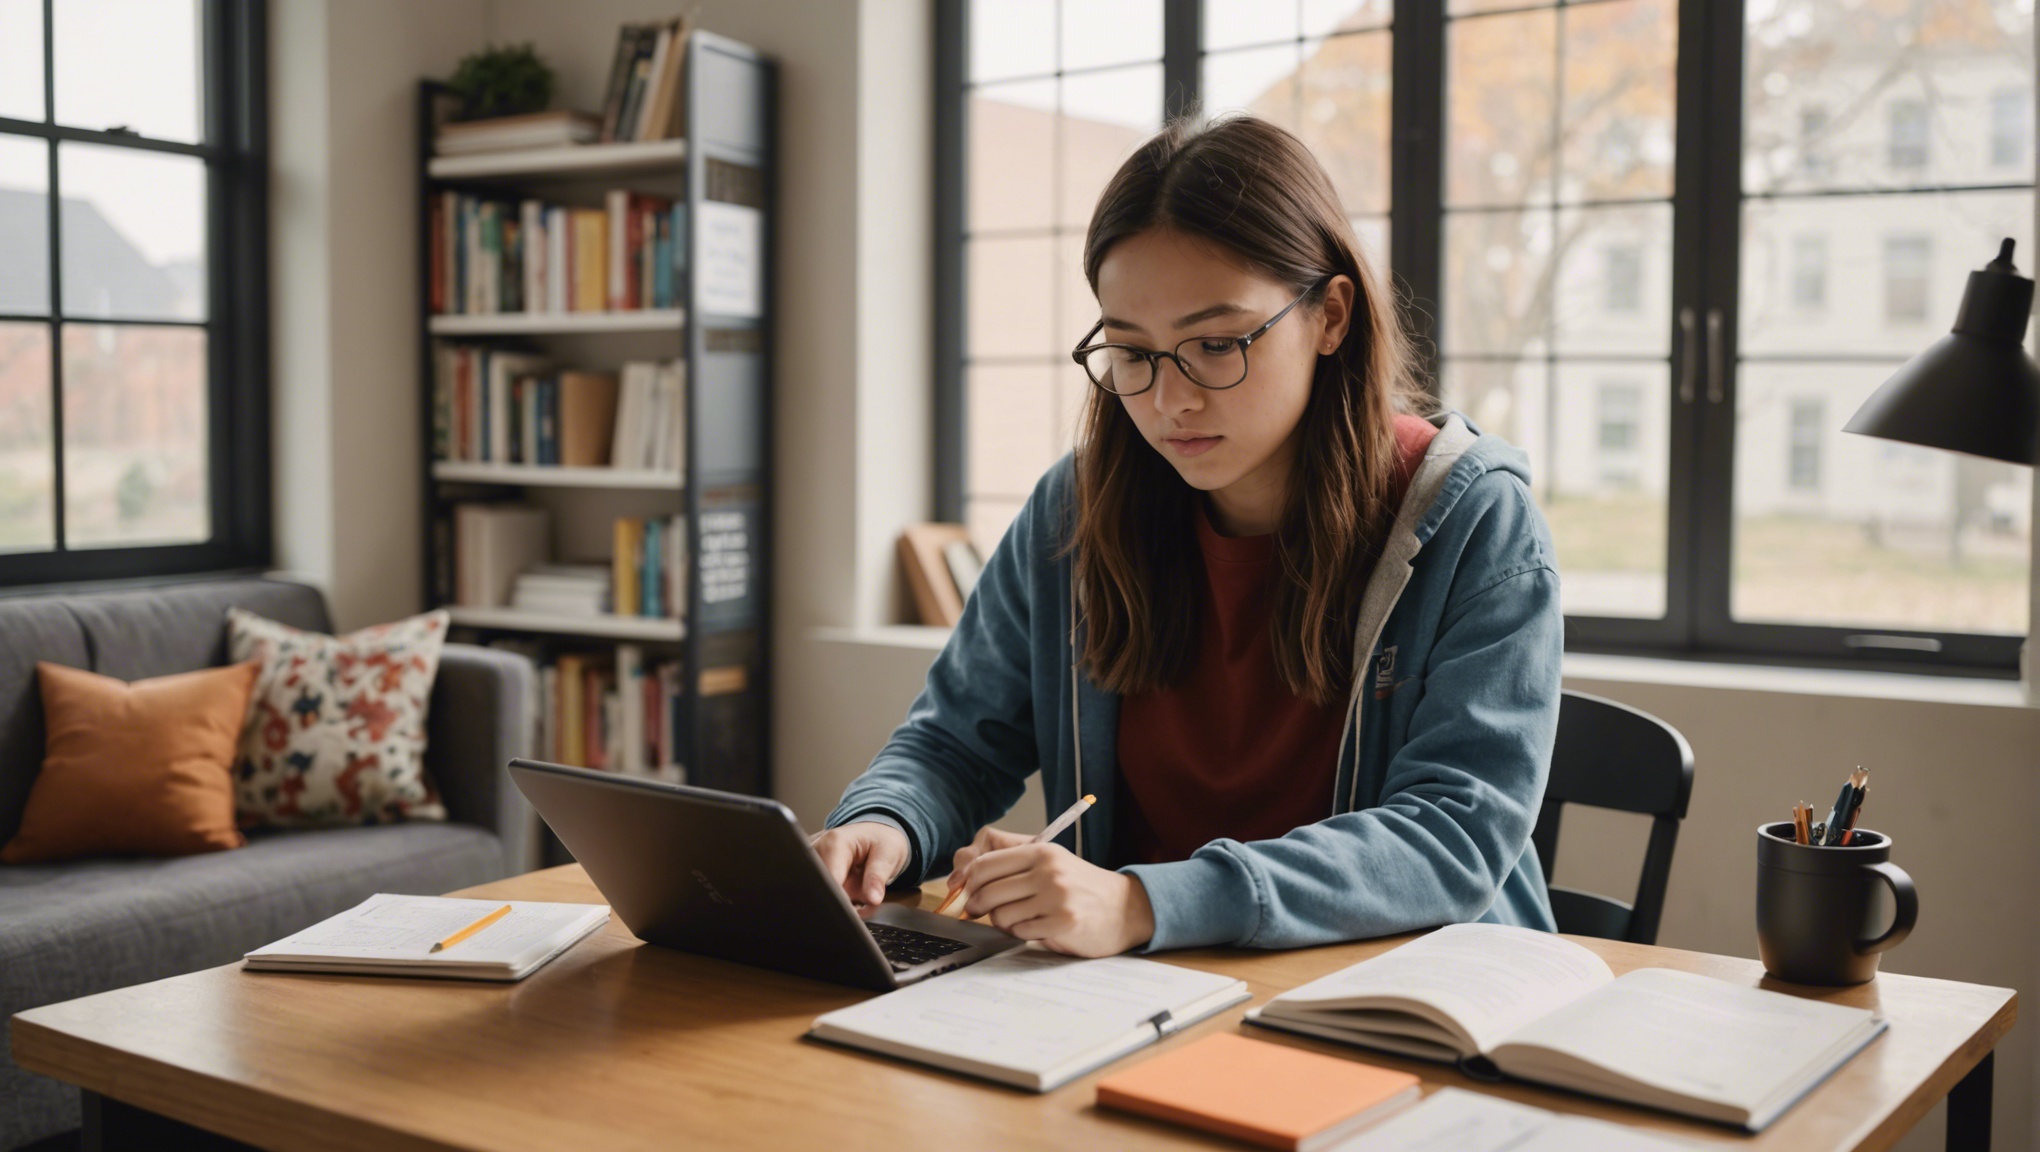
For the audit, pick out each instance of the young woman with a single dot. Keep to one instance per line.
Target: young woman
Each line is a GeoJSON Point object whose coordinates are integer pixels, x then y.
{"type": "Point", "coordinates": [1302, 644]}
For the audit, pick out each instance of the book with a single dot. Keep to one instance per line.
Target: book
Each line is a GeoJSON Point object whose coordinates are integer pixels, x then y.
{"type": "Point", "coordinates": [937, 600]}
{"type": "Point", "coordinates": [627, 558]}
{"type": "Point", "coordinates": [587, 417]}
{"type": "Point", "coordinates": [492, 544]}
{"type": "Point", "coordinates": [1031, 1018]}
{"type": "Point", "coordinates": [664, 119]}
{"type": "Point", "coordinates": [511, 133]}
{"type": "Point", "coordinates": [591, 252]}
{"type": "Point", "coordinates": [1266, 1094]}
{"type": "Point", "coordinates": [1455, 1120]}
{"type": "Point", "coordinates": [1538, 1007]}
{"type": "Point", "coordinates": [388, 935]}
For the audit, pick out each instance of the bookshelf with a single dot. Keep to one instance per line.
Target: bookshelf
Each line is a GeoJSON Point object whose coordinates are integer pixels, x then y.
{"type": "Point", "coordinates": [721, 167]}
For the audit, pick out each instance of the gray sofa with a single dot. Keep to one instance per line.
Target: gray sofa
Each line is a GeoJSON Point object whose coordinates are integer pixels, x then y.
{"type": "Point", "coordinates": [75, 928]}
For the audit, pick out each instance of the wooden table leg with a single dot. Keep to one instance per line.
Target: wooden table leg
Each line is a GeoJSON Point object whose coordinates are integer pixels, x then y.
{"type": "Point", "coordinates": [111, 1126]}
{"type": "Point", "coordinates": [1969, 1109]}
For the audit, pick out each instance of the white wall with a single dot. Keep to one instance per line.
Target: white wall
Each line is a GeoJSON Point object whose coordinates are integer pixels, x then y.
{"type": "Point", "coordinates": [343, 86]}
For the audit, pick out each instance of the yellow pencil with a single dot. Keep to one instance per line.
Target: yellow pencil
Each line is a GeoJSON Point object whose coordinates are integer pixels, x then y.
{"type": "Point", "coordinates": [471, 929]}
{"type": "Point", "coordinates": [1054, 829]}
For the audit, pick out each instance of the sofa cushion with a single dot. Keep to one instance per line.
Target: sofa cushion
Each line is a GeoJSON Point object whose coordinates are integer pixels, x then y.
{"type": "Point", "coordinates": [144, 769]}
{"type": "Point", "coordinates": [336, 730]}
{"type": "Point", "coordinates": [35, 629]}
{"type": "Point", "coordinates": [69, 930]}
{"type": "Point", "coordinates": [138, 633]}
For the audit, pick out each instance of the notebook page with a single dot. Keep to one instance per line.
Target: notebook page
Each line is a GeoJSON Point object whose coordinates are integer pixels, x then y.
{"type": "Point", "coordinates": [1701, 1038]}
{"type": "Point", "coordinates": [1450, 1120]}
{"type": "Point", "coordinates": [1454, 1120]}
{"type": "Point", "coordinates": [387, 927]}
{"type": "Point", "coordinates": [1028, 1009]}
{"type": "Point", "coordinates": [1491, 978]}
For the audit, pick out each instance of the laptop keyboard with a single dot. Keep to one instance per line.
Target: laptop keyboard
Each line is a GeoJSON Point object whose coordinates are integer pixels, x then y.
{"type": "Point", "coordinates": [904, 948]}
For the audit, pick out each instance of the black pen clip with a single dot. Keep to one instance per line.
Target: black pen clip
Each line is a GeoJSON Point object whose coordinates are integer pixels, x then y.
{"type": "Point", "coordinates": [1161, 1021]}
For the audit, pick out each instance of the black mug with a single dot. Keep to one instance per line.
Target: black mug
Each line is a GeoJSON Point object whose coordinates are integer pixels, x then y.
{"type": "Point", "coordinates": [1817, 907]}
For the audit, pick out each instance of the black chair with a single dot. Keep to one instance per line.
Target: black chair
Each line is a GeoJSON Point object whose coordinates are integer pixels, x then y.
{"type": "Point", "coordinates": [1610, 755]}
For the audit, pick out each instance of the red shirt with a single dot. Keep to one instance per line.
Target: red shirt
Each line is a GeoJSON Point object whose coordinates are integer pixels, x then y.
{"type": "Point", "coordinates": [1229, 751]}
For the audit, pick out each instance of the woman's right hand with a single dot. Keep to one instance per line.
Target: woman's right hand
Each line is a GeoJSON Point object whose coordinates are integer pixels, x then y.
{"type": "Point", "coordinates": [988, 839]}
{"type": "Point", "coordinates": [864, 857]}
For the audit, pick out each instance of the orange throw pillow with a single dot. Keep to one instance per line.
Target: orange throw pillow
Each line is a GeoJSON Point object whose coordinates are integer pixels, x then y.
{"type": "Point", "coordinates": [142, 769]}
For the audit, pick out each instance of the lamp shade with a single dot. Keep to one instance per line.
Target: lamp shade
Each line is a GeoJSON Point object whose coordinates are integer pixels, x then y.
{"type": "Point", "coordinates": [1975, 390]}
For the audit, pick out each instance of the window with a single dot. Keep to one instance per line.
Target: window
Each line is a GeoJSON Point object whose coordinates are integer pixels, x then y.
{"type": "Point", "coordinates": [1622, 278]}
{"type": "Point", "coordinates": [1674, 357]}
{"type": "Point", "coordinates": [1809, 273]}
{"type": "Point", "coordinates": [1621, 411]}
{"type": "Point", "coordinates": [1813, 144]}
{"type": "Point", "coordinates": [1905, 277]}
{"type": "Point", "coordinates": [2008, 126]}
{"type": "Point", "coordinates": [1863, 545]}
{"type": "Point", "coordinates": [133, 414]}
{"type": "Point", "coordinates": [1809, 418]}
{"type": "Point", "coordinates": [1065, 91]}
{"type": "Point", "coordinates": [1906, 149]}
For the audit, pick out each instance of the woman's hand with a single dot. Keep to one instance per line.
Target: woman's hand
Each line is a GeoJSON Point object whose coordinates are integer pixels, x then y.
{"type": "Point", "coordinates": [864, 857]}
{"type": "Point", "coordinates": [1044, 892]}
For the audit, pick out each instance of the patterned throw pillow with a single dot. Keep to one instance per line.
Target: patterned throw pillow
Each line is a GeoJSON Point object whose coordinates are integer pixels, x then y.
{"type": "Point", "coordinates": [336, 728]}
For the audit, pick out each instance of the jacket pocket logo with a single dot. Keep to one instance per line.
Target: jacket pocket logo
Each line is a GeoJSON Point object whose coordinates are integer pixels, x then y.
{"type": "Point", "coordinates": [1385, 682]}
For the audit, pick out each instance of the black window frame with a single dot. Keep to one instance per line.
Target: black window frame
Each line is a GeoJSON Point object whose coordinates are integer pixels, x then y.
{"type": "Point", "coordinates": [1707, 201]}
{"type": "Point", "coordinates": [235, 151]}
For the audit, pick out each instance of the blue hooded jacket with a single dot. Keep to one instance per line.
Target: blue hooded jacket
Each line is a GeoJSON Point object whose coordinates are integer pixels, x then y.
{"type": "Point", "coordinates": [1441, 771]}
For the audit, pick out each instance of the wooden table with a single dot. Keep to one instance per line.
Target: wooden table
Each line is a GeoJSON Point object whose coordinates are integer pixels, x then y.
{"type": "Point", "coordinates": [622, 1045]}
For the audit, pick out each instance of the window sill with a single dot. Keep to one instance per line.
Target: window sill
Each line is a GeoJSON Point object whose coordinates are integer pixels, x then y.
{"type": "Point", "coordinates": [1728, 676]}
{"type": "Point", "coordinates": [1719, 675]}
{"type": "Point", "coordinates": [927, 637]}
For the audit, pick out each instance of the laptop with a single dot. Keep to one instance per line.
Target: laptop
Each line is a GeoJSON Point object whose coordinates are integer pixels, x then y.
{"type": "Point", "coordinates": [734, 877]}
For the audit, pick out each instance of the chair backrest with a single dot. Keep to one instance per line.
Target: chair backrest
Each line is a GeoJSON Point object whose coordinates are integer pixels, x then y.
{"type": "Point", "coordinates": [1609, 755]}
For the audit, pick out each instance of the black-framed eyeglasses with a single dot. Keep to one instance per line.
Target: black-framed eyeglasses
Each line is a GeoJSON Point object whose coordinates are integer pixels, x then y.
{"type": "Point", "coordinates": [1213, 362]}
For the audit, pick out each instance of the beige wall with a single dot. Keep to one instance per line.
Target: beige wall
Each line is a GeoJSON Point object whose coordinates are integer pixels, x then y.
{"type": "Point", "coordinates": [343, 83]}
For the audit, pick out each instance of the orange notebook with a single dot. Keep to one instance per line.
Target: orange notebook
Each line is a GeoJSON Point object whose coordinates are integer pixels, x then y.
{"type": "Point", "coordinates": [1269, 1094]}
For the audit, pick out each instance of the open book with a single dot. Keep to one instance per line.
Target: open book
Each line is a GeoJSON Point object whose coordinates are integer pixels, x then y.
{"type": "Point", "coordinates": [1539, 1007]}
{"type": "Point", "coordinates": [387, 935]}
{"type": "Point", "coordinates": [1032, 1018]}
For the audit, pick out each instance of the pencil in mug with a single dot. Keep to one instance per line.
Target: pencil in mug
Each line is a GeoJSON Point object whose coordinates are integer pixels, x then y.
{"type": "Point", "coordinates": [1054, 829]}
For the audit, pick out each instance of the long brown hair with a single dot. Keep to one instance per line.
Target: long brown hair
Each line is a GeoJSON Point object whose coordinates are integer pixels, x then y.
{"type": "Point", "coordinates": [1256, 191]}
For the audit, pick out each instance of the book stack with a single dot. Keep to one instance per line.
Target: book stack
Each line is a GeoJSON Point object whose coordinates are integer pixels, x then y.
{"type": "Point", "coordinates": [512, 133]}
{"type": "Point", "coordinates": [492, 256]}
{"type": "Point", "coordinates": [649, 565]}
{"type": "Point", "coordinates": [643, 101]}
{"type": "Point", "coordinates": [650, 416]}
{"type": "Point", "coordinates": [562, 590]}
{"type": "Point", "coordinates": [615, 714]}
{"type": "Point", "coordinates": [493, 543]}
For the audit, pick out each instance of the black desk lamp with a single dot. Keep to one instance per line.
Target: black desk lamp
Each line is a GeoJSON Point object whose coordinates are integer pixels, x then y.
{"type": "Point", "coordinates": [1975, 390]}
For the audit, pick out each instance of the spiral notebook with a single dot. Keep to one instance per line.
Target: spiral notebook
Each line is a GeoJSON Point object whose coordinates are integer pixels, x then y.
{"type": "Point", "coordinates": [1032, 1018]}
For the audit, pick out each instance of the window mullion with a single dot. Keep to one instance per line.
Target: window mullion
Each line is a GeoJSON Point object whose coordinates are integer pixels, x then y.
{"type": "Point", "coordinates": [1716, 197]}
{"type": "Point", "coordinates": [1182, 49]}
{"type": "Point", "coordinates": [56, 285]}
{"type": "Point", "coordinates": [1417, 169]}
{"type": "Point", "coordinates": [952, 160]}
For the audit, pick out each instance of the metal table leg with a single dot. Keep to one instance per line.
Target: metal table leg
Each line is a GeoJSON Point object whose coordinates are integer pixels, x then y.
{"type": "Point", "coordinates": [111, 1126]}
{"type": "Point", "coordinates": [1969, 1109]}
